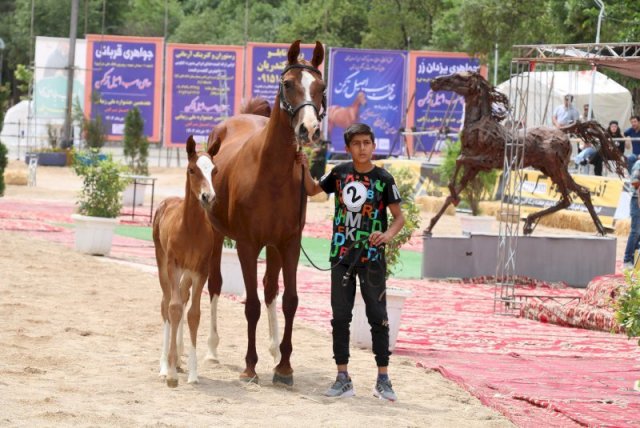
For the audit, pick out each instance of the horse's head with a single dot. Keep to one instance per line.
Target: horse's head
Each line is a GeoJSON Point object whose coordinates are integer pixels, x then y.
{"type": "Point", "coordinates": [464, 83]}
{"type": "Point", "coordinates": [302, 93]}
{"type": "Point", "coordinates": [200, 172]}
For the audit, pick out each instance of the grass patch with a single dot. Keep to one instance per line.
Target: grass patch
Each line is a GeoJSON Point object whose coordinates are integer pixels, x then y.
{"type": "Point", "coordinates": [316, 248]}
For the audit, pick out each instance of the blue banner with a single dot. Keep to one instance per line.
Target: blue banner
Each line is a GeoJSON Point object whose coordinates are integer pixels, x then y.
{"type": "Point", "coordinates": [203, 88]}
{"type": "Point", "coordinates": [367, 86]}
{"type": "Point", "coordinates": [265, 63]}
{"type": "Point", "coordinates": [124, 73]}
{"type": "Point", "coordinates": [438, 113]}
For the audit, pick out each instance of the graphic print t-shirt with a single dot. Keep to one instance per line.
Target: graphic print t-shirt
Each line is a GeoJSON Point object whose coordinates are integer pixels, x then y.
{"type": "Point", "coordinates": [361, 201]}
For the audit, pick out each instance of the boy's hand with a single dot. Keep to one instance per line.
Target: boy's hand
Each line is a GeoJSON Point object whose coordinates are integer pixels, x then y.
{"type": "Point", "coordinates": [301, 158]}
{"type": "Point", "coordinates": [378, 238]}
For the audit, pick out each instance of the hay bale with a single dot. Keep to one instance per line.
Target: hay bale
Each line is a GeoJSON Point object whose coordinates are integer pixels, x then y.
{"type": "Point", "coordinates": [16, 177]}
{"type": "Point", "coordinates": [433, 204]}
{"type": "Point", "coordinates": [623, 227]}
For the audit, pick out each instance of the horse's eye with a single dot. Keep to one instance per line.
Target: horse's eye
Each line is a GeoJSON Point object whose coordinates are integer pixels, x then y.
{"type": "Point", "coordinates": [288, 84]}
{"type": "Point", "coordinates": [191, 170]}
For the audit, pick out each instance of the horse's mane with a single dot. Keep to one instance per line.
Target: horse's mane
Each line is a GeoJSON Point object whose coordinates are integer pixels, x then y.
{"type": "Point", "coordinates": [499, 101]}
{"type": "Point", "coordinates": [258, 106]}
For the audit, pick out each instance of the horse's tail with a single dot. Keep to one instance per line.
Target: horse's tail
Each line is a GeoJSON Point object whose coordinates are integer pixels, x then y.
{"type": "Point", "coordinates": [592, 132]}
{"type": "Point", "coordinates": [258, 106]}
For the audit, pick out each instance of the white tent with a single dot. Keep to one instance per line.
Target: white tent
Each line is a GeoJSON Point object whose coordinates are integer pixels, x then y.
{"type": "Point", "coordinates": [546, 91]}
{"type": "Point", "coordinates": [15, 131]}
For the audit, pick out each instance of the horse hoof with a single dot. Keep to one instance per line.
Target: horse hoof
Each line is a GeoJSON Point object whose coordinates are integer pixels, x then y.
{"type": "Point", "coordinates": [172, 383]}
{"type": "Point", "coordinates": [212, 358]}
{"type": "Point", "coordinates": [285, 380]}
{"type": "Point", "coordinates": [250, 379]}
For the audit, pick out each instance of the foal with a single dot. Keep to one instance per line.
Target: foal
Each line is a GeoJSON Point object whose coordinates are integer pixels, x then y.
{"type": "Point", "coordinates": [183, 241]}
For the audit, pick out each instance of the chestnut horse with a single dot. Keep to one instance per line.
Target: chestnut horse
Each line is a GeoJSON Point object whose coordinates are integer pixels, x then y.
{"type": "Point", "coordinates": [260, 201]}
{"type": "Point", "coordinates": [343, 117]}
{"type": "Point", "coordinates": [548, 150]}
{"type": "Point", "coordinates": [183, 241]}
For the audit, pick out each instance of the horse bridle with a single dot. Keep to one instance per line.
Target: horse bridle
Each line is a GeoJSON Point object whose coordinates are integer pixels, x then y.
{"type": "Point", "coordinates": [291, 110]}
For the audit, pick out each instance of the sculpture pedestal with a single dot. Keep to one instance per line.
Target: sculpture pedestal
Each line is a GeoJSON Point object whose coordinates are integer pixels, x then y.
{"type": "Point", "coordinates": [575, 260]}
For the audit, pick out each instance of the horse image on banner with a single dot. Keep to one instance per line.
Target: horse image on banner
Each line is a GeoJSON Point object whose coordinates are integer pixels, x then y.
{"type": "Point", "coordinates": [260, 201]}
{"type": "Point", "coordinates": [548, 150]}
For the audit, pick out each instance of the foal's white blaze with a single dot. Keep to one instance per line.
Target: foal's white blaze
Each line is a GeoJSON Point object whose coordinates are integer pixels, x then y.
{"type": "Point", "coordinates": [207, 167]}
{"type": "Point", "coordinates": [164, 356]}
{"type": "Point", "coordinates": [274, 348]}
{"type": "Point", "coordinates": [192, 365]}
{"type": "Point", "coordinates": [214, 339]}
{"type": "Point", "coordinates": [309, 118]}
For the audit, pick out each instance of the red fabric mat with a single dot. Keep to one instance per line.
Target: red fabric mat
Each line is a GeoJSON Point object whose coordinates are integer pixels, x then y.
{"type": "Point", "coordinates": [536, 374]}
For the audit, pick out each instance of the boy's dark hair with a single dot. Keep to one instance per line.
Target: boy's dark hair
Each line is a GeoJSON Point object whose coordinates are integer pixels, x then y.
{"type": "Point", "coordinates": [635, 116]}
{"type": "Point", "coordinates": [356, 129]}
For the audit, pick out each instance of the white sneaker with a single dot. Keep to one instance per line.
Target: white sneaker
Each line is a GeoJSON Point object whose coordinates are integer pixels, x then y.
{"type": "Point", "coordinates": [627, 266]}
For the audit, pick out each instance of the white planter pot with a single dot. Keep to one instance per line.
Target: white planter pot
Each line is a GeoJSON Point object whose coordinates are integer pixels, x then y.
{"type": "Point", "coordinates": [94, 234]}
{"type": "Point", "coordinates": [232, 280]}
{"type": "Point", "coordinates": [476, 224]}
{"type": "Point", "coordinates": [360, 329]}
{"type": "Point", "coordinates": [128, 195]}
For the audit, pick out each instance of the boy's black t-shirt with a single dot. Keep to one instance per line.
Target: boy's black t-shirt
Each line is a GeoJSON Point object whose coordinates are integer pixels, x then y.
{"type": "Point", "coordinates": [361, 201]}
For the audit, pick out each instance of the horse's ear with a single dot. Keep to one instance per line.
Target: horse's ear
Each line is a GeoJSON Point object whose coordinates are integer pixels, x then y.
{"type": "Point", "coordinates": [294, 52]}
{"type": "Point", "coordinates": [214, 147]}
{"type": "Point", "coordinates": [318, 55]}
{"type": "Point", "coordinates": [191, 146]}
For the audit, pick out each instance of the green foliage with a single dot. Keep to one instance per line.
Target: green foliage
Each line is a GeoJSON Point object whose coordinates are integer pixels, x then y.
{"type": "Point", "coordinates": [477, 189]}
{"type": "Point", "coordinates": [92, 129]}
{"type": "Point", "coordinates": [228, 243]}
{"type": "Point", "coordinates": [136, 145]}
{"type": "Point", "coordinates": [147, 17]}
{"type": "Point", "coordinates": [405, 179]}
{"type": "Point", "coordinates": [628, 307]}
{"type": "Point", "coordinates": [4, 161]}
{"type": "Point", "coordinates": [101, 185]}
{"type": "Point", "coordinates": [23, 79]}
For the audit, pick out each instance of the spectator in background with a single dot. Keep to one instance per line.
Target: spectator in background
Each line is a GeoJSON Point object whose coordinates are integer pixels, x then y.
{"type": "Point", "coordinates": [614, 132]}
{"type": "Point", "coordinates": [585, 114]}
{"type": "Point", "coordinates": [634, 232]}
{"type": "Point", "coordinates": [565, 114]}
{"type": "Point", "coordinates": [633, 140]}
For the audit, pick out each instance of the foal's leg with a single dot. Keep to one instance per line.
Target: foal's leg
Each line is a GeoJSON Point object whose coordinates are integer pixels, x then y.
{"type": "Point", "coordinates": [175, 316]}
{"type": "Point", "coordinates": [214, 286]}
{"type": "Point", "coordinates": [290, 254]}
{"type": "Point", "coordinates": [193, 317]}
{"type": "Point", "coordinates": [248, 256]}
{"type": "Point", "coordinates": [185, 287]}
{"type": "Point", "coordinates": [165, 283]}
{"type": "Point", "coordinates": [270, 282]}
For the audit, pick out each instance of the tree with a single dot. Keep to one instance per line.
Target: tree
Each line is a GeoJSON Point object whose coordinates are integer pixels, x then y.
{"type": "Point", "coordinates": [147, 17]}
{"type": "Point", "coordinates": [136, 145]}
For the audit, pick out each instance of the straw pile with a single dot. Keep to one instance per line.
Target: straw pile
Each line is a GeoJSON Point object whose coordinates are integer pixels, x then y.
{"type": "Point", "coordinates": [17, 177]}
{"type": "Point", "coordinates": [433, 204]}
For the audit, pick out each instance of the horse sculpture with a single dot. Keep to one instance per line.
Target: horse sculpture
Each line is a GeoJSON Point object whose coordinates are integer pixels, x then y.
{"type": "Point", "coordinates": [183, 241]}
{"type": "Point", "coordinates": [547, 149]}
{"type": "Point", "coordinates": [343, 117]}
{"type": "Point", "coordinates": [260, 201]}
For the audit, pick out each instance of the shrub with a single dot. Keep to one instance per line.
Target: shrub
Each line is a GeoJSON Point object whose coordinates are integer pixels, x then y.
{"type": "Point", "coordinates": [476, 189]}
{"type": "Point", "coordinates": [405, 180]}
{"type": "Point", "coordinates": [136, 145]}
{"type": "Point", "coordinates": [628, 307]}
{"type": "Point", "coordinates": [101, 185]}
{"type": "Point", "coordinates": [4, 161]}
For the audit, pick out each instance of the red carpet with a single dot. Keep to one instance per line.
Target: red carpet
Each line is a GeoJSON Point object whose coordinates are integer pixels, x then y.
{"type": "Point", "coordinates": [537, 374]}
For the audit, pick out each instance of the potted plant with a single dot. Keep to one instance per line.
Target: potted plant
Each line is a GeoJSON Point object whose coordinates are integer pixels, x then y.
{"type": "Point", "coordinates": [99, 203]}
{"type": "Point", "coordinates": [480, 187]}
{"type": "Point", "coordinates": [52, 155]}
{"type": "Point", "coordinates": [628, 311]}
{"type": "Point", "coordinates": [136, 152]}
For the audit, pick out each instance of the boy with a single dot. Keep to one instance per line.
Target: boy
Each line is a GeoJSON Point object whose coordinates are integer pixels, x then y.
{"type": "Point", "coordinates": [363, 191]}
